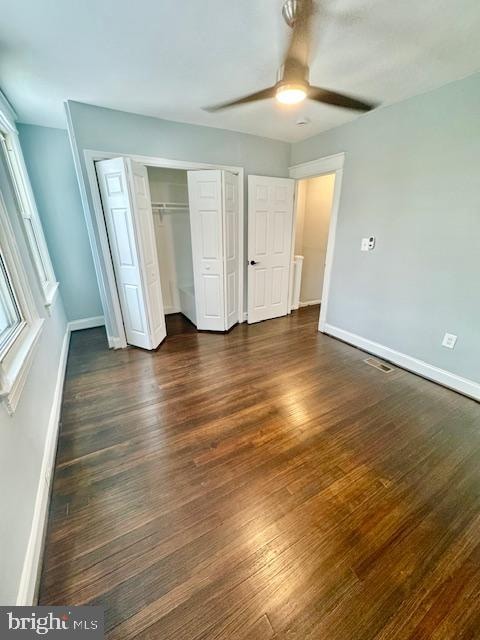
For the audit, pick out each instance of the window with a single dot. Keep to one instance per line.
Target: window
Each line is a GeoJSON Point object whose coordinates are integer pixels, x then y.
{"type": "Point", "coordinates": [12, 152]}
{"type": "Point", "coordinates": [20, 323]}
{"type": "Point", "coordinates": [10, 315]}
{"type": "Point", "coordinates": [31, 221]}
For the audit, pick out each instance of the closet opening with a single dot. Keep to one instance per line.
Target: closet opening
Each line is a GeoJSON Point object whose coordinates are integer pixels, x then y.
{"type": "Point", "coordinates": [173, 240]}
{"type": "Point", "coordinates": [172, 244]}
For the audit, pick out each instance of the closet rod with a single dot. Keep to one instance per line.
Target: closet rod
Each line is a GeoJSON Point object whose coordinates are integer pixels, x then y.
{"type": "Point", "coordinates": [169, 206]}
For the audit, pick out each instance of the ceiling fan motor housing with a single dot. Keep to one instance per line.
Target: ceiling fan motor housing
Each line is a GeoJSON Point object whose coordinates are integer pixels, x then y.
{"type": "Point", "coordinates": [289, 12]}
{"type": "Point", "coordinates": [293, 72]}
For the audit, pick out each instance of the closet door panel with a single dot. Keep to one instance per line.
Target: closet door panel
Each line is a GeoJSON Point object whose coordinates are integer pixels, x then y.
{"type": "Point", "coordinates": [212, 293]}
{"type": "Point", "coordinates": [113, 182]}
{"type": "Point", "coordinates": [206, 220]}
{"type": "Point", "coordinates": [145, 232]}
{"type": "Point", "coordinates": [231, 244]}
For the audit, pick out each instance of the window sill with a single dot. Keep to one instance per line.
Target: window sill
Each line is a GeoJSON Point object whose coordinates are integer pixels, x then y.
{"type": "Point", "coordinates": [49, 297]}
{"type": "Point", "coordinates": [14, 369]}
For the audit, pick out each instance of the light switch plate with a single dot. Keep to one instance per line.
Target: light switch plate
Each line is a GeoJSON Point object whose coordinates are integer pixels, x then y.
{"type": "Point", "coordinates": [449, 340]}
{"type": "Point", "coordinates": [368, 244]}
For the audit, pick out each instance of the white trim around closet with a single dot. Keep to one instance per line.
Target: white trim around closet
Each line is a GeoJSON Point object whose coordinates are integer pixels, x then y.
{"type": "Point", "coordinates": [119, 341]}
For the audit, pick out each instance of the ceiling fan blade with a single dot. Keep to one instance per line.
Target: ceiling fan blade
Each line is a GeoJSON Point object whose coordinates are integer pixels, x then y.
{"type": "Point", "coordinates": [339, 99]}
{"type": "Point", "coordinates": [264, 94]}
{"type": "Point", "coordinates": [298, 52]}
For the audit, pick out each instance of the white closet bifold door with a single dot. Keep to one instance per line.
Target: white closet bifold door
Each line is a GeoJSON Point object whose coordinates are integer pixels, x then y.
{"type": "Point", "coordinates": [231, 246]}
{"type": "Point", "coordinates": [206, 221]}
{"type": "Point", "coordinates": [128, 215]}
{"type": "Point", "coordinates": [213, 199]}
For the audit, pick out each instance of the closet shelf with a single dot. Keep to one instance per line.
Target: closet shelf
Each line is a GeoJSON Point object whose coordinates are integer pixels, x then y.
{"type": "Point", "coordinates": [169, 206]}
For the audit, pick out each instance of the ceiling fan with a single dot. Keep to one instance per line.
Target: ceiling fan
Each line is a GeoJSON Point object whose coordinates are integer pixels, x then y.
{"type": "Point", "coordinates": [293, 84]}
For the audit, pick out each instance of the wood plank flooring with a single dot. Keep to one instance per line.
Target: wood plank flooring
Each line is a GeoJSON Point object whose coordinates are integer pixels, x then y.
{"type": "Point", "coordinates": [264, 484]}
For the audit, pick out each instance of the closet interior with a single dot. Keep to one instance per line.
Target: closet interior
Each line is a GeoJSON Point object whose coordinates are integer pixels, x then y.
{"type": "Point", "coordinates": [171, 219]}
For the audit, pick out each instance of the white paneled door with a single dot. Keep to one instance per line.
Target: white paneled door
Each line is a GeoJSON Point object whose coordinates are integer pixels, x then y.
{"type": "Point", "coordinates": [213, 201]}
{"type": "Point", "coordinates": [270, 220]}
{"type": "Point", "coordinates": [231, 246]}
{"type": "Point", "coordinates": [127, 208]}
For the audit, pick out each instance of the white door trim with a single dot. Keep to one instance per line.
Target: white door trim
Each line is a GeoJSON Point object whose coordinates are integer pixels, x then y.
{"type": "Point", "coordinates": [327, 164]}
{"type": "Point", "coordinates": [91, 156]}
{"type": "Point", "coordinates": [321, 166]}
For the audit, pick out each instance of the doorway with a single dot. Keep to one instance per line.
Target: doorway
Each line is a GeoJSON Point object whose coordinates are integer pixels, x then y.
{"type": "Point", "coordinates": [151, 217]}
{"type": "Point", "coordinates": [312, 223]}
{"type": "Point", "coordinates": [292, 221]}
{"type": "Point", "coordinates": [173, 238]}
{"type": "Point", "coordinates": [322, 166]}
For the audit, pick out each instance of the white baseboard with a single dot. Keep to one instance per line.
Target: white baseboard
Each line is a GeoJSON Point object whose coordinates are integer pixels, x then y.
{"type": "Point", "coordinates": [446, 378]}
{"type": "Point", "coordinates": [27, 590]}
{"type": "Point", "coordinates": [86, 323]}
{"type": "Point", "coordinates": [308, 303]}
{"type": "Point", "coordinates": [169, 310]}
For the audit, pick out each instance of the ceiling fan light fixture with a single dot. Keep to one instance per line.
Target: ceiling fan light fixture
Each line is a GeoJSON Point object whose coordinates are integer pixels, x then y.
{"type": "Point", "coordinates": [292, 85]}
{"type": "Point", "coordinates": [291, 93]}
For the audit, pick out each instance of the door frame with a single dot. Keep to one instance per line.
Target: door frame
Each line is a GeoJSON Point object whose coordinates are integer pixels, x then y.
{"type": "Point", "coordinates": [113, 317]}
{"type": "Point", "coordinates": [313, 169]}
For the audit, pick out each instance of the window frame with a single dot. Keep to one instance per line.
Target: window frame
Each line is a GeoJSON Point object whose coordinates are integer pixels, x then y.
{"type": "Point", "coordinates": [31, 222]}
{"type": "Point", "coordinates": [17, 355]}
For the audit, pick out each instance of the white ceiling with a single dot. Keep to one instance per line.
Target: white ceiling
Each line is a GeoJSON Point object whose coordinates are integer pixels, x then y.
{"type": "Point", "coordinates": [168, 58]}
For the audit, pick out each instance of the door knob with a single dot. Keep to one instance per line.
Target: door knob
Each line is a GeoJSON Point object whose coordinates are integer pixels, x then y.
{"type": "Point", "coordinates": [252, 262]}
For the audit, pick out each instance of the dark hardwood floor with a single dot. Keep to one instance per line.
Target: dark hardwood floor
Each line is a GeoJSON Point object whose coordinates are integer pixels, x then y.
{"type": "Point", "coordinates": [264, 484]}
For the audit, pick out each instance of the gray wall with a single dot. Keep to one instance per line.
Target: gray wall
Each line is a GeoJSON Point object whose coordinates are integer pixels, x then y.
{"type": "Point", "coordinates": [314, 228]}
{"type": "Point", "coordinates": [49, 161]}
{"type": "Point", "coordinates": [127, 133]}
{"type": "Point", "coordinates": [411, 178]}
{"type": "Point", "coordinates": [122, 132]}
{"type": "Point", "coordinates": [22, 436]}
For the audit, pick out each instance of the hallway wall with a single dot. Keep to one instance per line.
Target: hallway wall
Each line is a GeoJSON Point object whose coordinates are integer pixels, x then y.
{"type": "Point", "coordinates": [313, 220]}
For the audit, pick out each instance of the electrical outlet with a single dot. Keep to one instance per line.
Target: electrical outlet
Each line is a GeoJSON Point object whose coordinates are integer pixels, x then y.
{"type": "Point", "coordinates": [449, 340]}
{"type": "Point", "coordinates": [364, 245]}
